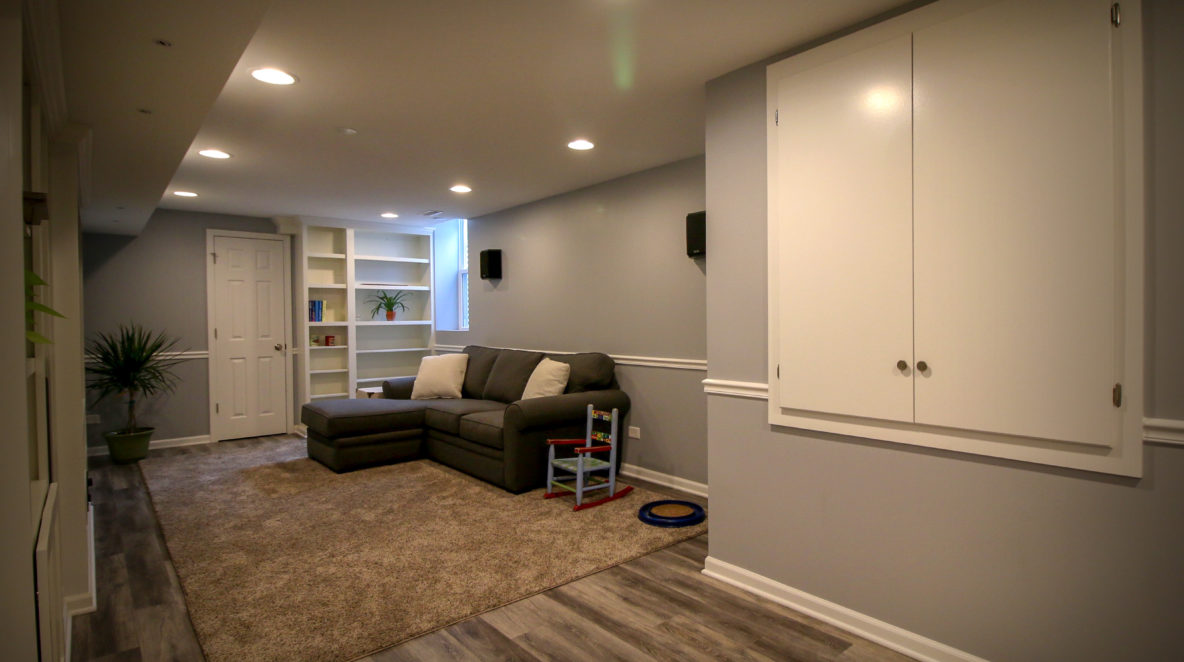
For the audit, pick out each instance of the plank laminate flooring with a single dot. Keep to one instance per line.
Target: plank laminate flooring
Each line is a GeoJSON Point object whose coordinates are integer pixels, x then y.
{"type": "Point", "coordinates": [658, 607]}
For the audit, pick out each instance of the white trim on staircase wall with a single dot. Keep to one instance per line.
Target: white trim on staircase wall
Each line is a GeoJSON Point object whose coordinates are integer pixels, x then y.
{"type": "Point", "coordinates": [621, 359]}
{"type": "Point", "coordinates": [1163, 431]}
{"type": "Point", "coordinates": [753, 390]}
{"type": "Point", "coordinates": [95, 451]}
{"type": "Point", "coordinates": [666, 480]}
{"type": "Point", "coordinates": [187, 354]}
{"type": "Point", "coordinates": [885, 634]}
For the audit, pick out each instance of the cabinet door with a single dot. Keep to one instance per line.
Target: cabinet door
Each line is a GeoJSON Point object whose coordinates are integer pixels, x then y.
{"type": "Point", "coordinates": [1018, 250]}
{"type": "Point", "coordinates": [843, 203]}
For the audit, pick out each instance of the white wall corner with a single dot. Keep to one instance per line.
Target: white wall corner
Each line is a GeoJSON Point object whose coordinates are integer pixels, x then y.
{"type": "Point", "coordinates": [872, 629]}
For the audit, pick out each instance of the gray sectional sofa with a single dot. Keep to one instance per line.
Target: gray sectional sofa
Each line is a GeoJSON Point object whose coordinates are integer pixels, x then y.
{"type": "Point", "coordinates": [489, 433]}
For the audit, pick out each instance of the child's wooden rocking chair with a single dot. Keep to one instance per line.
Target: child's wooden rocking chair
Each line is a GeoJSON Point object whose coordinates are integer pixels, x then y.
{"type": "Point", "coordinates": [583, 465]}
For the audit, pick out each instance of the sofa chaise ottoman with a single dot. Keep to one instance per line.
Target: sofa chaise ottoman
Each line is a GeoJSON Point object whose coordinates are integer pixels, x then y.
{"type": "Point", "coordinates": [490, 432]}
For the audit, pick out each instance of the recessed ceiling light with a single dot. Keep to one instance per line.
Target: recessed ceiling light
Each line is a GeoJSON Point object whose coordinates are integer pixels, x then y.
{"type": "Point", "coordinates": [581, 144]}
{"type": "Point", "coordinates": [185, 194]}
{"type": "Point", "coordinates": [389, 214]}
{"type": "Point", "coordinates": [214, 154]}
{"type": "Point", "coordinates": [348, 131]}
{"type": "Point", "coordinates": [460, 188]}
{"type": "Point", "coordinates": [273, 76]}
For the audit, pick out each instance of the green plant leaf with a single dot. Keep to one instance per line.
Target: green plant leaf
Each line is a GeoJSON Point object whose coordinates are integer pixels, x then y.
{"type": "Point", "coordinates": [32, 279]}
{"type": "Point", "coordinates": [40, 307]}
{"type": "Point", "coordinates": [34, 337]}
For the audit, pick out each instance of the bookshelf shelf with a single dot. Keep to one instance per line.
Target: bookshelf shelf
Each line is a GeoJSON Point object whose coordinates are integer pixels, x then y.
{"type": "Point", "coordinates": [344, 264]}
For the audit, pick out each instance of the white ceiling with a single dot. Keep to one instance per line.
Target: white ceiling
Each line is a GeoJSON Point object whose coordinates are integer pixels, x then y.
{"type": "Point", "coordinates": [483, 92]}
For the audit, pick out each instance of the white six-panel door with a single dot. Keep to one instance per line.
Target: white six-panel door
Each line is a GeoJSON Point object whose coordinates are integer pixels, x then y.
{"type": "Point", "coordinates": [248, 366]}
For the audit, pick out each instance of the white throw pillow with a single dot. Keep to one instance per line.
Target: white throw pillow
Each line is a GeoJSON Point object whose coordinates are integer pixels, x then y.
{"type": "Point", "coordinates": [440, 377]}
{"type": "Point", "coordinates": [549, 378]}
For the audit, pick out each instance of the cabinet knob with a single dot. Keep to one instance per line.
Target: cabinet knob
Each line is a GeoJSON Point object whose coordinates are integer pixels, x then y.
{"type": "Point", "coordinates": [278, 347]}
{"type": "Point", "coordinates": [922, 366]}
{"type": "Point", "coordinates": [902, 365]}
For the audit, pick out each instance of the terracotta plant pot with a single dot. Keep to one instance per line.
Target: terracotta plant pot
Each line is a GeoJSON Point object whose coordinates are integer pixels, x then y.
{"type": "Point", "coordinates": [390, 315]}
{"type": "Point", "coordinates": [128, 447]}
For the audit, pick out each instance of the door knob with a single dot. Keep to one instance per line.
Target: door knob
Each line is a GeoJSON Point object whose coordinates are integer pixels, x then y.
{"type": "Point", "coordinates": [278, 347]}
{"type": "Point", "coordinates": [922, 366]}
{"type": "Point", "coordinates": [902, 365]}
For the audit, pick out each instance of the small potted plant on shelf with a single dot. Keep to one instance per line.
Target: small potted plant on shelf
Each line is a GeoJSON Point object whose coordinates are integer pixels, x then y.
{"type": "Point", "coordinates": [135, 362]}
{"type": "Point", "coordinates": [388, 302]}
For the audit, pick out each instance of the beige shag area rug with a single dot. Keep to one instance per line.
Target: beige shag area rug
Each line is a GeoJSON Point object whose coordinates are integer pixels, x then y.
{"type": "Point", "coordinates": [282, 559]}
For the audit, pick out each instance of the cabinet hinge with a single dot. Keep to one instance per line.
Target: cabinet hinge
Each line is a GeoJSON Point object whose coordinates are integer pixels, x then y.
{"type": "Point", "coordinates": [215, 257]}
{"type": "Point", "coordinates": [215, 333]}
{"type": "Point", "coordinates": [1116, 14]}
{"type": "Point", "coordinates": [1117, 395]}
{"type": "Point", "coordinates": [217, 408]}
{"type": "Point", "coordinates": [778, 371]}
{"type": "Point", "coordinates": [777, 117]}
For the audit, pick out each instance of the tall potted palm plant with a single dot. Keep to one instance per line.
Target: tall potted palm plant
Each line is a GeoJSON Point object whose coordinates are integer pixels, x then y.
{"type": "Point", "coordinates": [134, 362]}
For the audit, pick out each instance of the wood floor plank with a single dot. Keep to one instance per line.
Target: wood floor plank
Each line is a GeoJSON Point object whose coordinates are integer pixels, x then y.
{"type": "Point", "coordinates": [636, 627]}
{"type": "Point", "coordinates": [115, 628]}
{"type": "Point", "coordinates": [166, 634]}
{"type": "Point", "coordinates": [807, 639]}
{"type": "Point", "coordinates": [430, 647]}
{"type": "Point", "coordinates": [569, 635]}
{"type": "Point", "coordinates": [517, 618]}
{"type": "Point", "coordinates": [717, 645]}
{"type": "Point", "coordinates": [485, 642]}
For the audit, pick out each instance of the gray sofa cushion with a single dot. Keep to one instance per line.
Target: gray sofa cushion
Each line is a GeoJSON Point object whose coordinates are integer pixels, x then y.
{"type": "Point", "coordinates": [346, 418]}
{"type": "Point", "coordinates": [480, 363]}
{"type": "Point", "coordinates": [484, 428]}
{"type": "Point", "coordinates": [510, 373]}
{"type": "Point", "coordinates": [445, 415]}
{"type": "Point", "coordinates": [590, 371]}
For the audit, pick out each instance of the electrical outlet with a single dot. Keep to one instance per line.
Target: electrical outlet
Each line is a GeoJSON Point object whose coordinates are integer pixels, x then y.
{"type": "Point", "coordinates": [92, 419]}
{"type": "Point", "coordinates": [634, 432]}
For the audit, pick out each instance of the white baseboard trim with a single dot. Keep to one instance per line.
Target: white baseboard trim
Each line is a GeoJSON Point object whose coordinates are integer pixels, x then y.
{"type": "Point", "coordinates": [885, 634]}
{"type": "Point", "coordinates": [753, 390]}
{"type": "Point", "coordinates": [666, 480]}
{"type": "Point", "coordinates": [82, 603]}
{"type": "Point", "coordinates": [159, 443]}
{"type": "Point", "coordinates": [1163, 431]}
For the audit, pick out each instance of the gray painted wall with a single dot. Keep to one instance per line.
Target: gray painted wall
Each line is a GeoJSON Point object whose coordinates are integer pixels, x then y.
{"type": "Point", "coordinates": [158, 279]}
{"type": "Point", "coordinates": [1165, 205]}
{"type": "Point", "coordinates": [1005, 560]}
{"type": "Point", "coordinates": [605, 269]}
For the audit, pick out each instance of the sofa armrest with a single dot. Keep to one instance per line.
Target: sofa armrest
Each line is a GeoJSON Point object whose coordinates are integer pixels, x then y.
{"type": "Point", "coordinates": [563, 409]}
{"type": "Point", "coordinates": [398, 388]}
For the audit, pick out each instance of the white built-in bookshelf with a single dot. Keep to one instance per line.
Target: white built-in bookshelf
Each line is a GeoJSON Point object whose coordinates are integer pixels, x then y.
{"type": "Point", "coordinates": [344, 266]}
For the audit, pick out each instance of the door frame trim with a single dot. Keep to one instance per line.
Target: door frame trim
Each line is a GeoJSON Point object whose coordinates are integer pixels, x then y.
{"type": "Point", "coordinates": [286, 243]}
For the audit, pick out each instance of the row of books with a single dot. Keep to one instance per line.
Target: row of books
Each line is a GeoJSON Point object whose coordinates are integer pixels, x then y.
{"type": "Point", "coordinates": [316, 310]}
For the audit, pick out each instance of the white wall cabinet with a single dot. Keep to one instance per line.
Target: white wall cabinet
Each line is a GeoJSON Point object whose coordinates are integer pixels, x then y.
{"type": "Point", "coordinates": [344, 266]}
{"type": "Point", "coordinates": [959, 188]}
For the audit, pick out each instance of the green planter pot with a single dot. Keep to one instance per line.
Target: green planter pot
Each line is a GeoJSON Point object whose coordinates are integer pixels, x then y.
{"type": "Point", "coordinates": [128, 447]}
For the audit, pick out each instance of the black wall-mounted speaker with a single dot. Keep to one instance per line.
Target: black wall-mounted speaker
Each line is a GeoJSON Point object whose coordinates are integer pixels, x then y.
{"type": "Point", "coordinates": [697, 234]}
{"type": "Point", "coordinates": [491, 263]}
